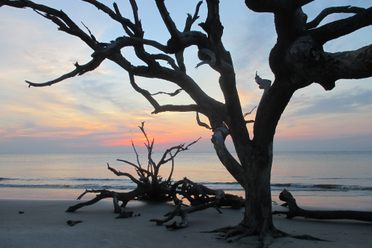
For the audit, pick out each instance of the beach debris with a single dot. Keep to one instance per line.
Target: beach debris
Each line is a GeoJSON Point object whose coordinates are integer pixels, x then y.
{"type": "Point", "coordinates": [21, 212]}
{"type": "Point", "coordinates": [73, 222]}
{"type": "Point", "coordinates": [191, 197]}
{"type": "Point", "coordinates": [187, 196]}
{"type": "Point", "coordinates": [150, 185]}
{"type": "Point", "coordinates": [295, 211]}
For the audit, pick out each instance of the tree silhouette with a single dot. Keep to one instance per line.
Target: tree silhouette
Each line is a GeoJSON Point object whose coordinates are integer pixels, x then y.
{"type": "Point", "coordinates": [297, 60]}
{"type": "Point", "coordinates": [152, 187]}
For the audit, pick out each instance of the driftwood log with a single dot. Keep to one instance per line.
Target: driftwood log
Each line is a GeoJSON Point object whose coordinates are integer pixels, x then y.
{"type": "Point", "coordinates": [295, 211]}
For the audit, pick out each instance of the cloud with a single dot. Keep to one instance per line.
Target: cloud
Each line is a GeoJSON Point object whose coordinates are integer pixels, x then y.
{"type": "Point", "coordinates": [348, 143]}
{"type": "Point", "coordinates": [100, 110]}
{"type": "Point", "coordinates": [346, 102]}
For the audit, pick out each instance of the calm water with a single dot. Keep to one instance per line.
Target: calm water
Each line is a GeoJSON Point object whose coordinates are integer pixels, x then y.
{"type": "Point", "coordinates": [326, 179]}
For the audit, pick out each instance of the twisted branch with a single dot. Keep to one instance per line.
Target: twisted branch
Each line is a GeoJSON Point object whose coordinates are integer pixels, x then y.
{"type": "Point", "coordinates": [339, 28]}
{"type": "Point", "coordinates": [332, 10]}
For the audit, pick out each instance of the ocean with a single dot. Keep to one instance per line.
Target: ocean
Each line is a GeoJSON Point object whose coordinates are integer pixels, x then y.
{"type": "Point", "coordinates": [329, 180]}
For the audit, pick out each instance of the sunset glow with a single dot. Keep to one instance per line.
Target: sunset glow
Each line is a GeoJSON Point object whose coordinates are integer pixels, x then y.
{"type": "Point", "coordinates": [100, 109]}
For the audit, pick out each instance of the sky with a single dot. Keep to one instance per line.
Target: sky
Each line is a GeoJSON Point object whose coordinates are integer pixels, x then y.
{"type": "Point", "coordinates": [100, 112]}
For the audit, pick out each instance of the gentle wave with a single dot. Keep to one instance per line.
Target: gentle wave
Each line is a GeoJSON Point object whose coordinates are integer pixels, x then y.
{"type": "Point", "coordinates": [61, 179]}
{"type": "Point", "coordinates": [66, 186]}
{"type": "Point", "coordinates": [126, 184]}
{"type": "Point", "coordinates": [321, 187]}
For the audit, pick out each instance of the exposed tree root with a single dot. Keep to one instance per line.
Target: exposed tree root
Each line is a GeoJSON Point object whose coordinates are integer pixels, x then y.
{"type": "Point", "coordinates": [265, 238]}
{"type": "Point", "coordinates": [238, 232]}
{"type": "Point", "coordinates": [199, 197]}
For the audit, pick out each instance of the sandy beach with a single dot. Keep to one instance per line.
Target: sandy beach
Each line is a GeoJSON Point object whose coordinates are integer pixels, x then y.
{"type": "Point", "coordinates": [36, 223]}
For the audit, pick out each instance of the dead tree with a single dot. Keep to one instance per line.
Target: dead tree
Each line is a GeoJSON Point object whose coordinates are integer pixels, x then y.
{"type": "Point", "coordinates": [297, 60]}
{"type": "Point", "coordinates": [150, 186]}
{"type": "Point", "coordinates": [295, 211]}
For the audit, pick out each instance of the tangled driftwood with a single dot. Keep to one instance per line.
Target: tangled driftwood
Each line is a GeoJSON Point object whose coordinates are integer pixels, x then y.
{"type": "Point", "coordinates": [187, 196]}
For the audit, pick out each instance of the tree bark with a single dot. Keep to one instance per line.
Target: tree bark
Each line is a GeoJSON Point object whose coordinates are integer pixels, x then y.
{"type": "Point", "coordinates": [257, 216]}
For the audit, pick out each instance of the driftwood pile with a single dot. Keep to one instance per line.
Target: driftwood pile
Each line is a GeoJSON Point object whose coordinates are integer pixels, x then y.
{"type": "Point", "coordinates": [187, 196]}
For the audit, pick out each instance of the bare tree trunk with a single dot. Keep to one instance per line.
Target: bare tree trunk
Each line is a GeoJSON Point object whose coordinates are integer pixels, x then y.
{"type": "Point", "coordinates": [257, 214]}
{"type": "Point", "coordinates": [257, 218]}
{"type": "Point", "coordinates": [258, 208]}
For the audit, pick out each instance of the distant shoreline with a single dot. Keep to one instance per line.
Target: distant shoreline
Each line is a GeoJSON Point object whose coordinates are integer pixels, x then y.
{"type": "Point", "coordinates": [130, 151]}
{"type": "Point", "coordinates": [316, 179]}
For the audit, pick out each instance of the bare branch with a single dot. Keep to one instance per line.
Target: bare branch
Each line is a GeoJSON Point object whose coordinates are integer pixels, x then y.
{"type": "Point", "coordinates": [171, 171]}
{"type": "Point", "coordinates": [176, 108]}
{"type": "Point", "coordinates": [144, 92]}
{"type": "Point", "coordinates": [137, 156]}
{"type": "Point", "coordinates": [161, 108]}
{"type": "Point", "coordinates": [151, 166]}
{"type": "Point", "coordinates": [212, 24]}
{"type": "Point", "coordinates": [58, 17]}
{"type": "Point", "coordinates": [331, 10]}
{"type": "Point", "coordinates": [249, 112]}
{"type": "Point", "coordinates": [127, 25]}
{"type": "Point", "coordinates": [342, 27]}
{"type": "Point", "coordinates": [177, 43]}
{"type": "Point", "coordinates": [119, 173]}
{"type": "Point", "coordinates": [90, 33]}
{"type": "Point", "coordinates": [128, 162]}
{"type": "Point", "coordinates": [191, 19]}
{"type": "Point", "coordinates": [218, 140]}
{"type": "Point", "coordinates": [139, 170]}
{"type": "Point", "coordinates": [178, 40]}
{"type": "Point", "coordinates": [79, 70]}
{"type": "Point", "coordinates": [346, 65]}
{"type": "Point", "coordinates": [275, 6]}
{"type": "Point", "coordinates": [171, 26]}
{"type": "Point", "coordinates": [142, 128]}
{"type": "Point", "coordinates": [176, 92]}
{"type": "Point", "coordinates": [167, 58]}
{"type": "Point", "coordinates": [200, 123]}
{"type": "Point", "coordinates": [173, 152]}
{"type": "Point", "coordinates": [135, 13]}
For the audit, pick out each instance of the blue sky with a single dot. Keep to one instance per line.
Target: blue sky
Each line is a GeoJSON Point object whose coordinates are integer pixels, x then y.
{"type": "Point", "coordinates": [100, 112]}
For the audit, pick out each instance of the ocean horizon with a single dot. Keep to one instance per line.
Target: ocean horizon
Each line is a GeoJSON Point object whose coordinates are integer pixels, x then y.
{"type": "Point", "coordinates": [332, 179]}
